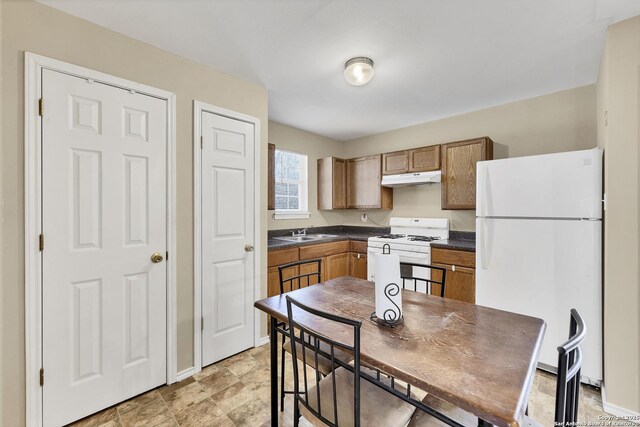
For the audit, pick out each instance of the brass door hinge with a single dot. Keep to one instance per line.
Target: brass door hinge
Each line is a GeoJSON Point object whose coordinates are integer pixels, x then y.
{"type": "Point", "coordinates": [41, 242]}
{"type": "Point", "coordinates": [201, 142]}
{"type": "Point", "coordinates": [202, 323]}
{"type": "Point", "coordinates": [41, 106]}
{"type": "Point", "coordinates": [167, 257]}
{"type": "Point", "coordinates": [41, 376]}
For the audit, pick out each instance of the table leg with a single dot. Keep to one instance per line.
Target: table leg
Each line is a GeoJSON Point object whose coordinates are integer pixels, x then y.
{"type": "Point", "coordinates": [273, 338]}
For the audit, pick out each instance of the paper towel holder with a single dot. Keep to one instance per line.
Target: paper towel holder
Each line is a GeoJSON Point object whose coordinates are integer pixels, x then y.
{"type": "Point", "coordinates": [389, 289]}
{"type": "Point", "coordinates": [387, 323]}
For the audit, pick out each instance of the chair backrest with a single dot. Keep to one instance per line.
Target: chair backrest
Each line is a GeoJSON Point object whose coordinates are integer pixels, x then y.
{"type": "Point", "coordinates": [314, 345]}
{"type": "Point", "coordinates": [569, 365]}
{"type": "Point", "coordinates": [412, 277]}
{"type": "Point", "coordinates": [296, 279]}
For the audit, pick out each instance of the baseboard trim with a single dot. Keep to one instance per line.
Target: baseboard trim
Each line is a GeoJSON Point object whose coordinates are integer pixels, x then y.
{"type": "Point", "coordinates": [182, 375]}
{"type": "Point", "coordinates": [263, 341]}
{"type": "Point", "coordinates": [618, 411]}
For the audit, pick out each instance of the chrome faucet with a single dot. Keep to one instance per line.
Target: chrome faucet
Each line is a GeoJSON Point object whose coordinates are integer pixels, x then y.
{"type": "Point", "coordinates": [302, 232]}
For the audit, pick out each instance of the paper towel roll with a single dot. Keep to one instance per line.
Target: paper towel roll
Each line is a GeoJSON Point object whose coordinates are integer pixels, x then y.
{"type": "Point", "coordinates": [388, 289]}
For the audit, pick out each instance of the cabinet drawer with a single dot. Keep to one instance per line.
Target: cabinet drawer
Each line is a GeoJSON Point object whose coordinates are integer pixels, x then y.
{"type": "Point", "coordinates": [282, 256]}
{"type": "Point", "coordinates": [357, 246]}
{"type": "Point", "coordinates": [453, 257]}
{"type": "Point", "coordinates": [323, 249]}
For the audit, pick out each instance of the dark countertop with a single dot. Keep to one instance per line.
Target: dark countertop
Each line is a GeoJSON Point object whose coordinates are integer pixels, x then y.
{"type": "Point", "coordinates": [458, 240]}
{"type": "Point", "coordinates": [342, 232]}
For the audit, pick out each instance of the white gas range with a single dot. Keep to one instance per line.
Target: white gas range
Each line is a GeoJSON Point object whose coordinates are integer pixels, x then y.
{"type": "Point", "coordinates": [410, 238]}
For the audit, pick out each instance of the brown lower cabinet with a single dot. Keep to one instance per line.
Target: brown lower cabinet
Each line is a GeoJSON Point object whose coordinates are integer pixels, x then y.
{"type": "Point", "coordinates": [358, 265]}
{"type": "Point", "coordinates": [461, 273]}
{"type": "Point", "coordinates": [337, 265]}
{"type": "Point", "coordinates": [337, 260]}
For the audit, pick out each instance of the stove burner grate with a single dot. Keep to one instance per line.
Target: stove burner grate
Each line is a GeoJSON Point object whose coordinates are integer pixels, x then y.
{"type": "Point", "coordinates": [422, 238]}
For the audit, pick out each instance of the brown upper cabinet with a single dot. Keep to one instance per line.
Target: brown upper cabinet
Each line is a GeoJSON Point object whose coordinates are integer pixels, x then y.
{"type": "Point", "coordinates": [364, 189]}
{"type": "Point", "coordinates": [424, 159]}
{"type": "Point", "coordinates": [417, 160]}
{"type": "Point", "coordinates": [332, 183]}
{"type": "Point", "coordinates": [271, 195]}
{"type": "Point", "coordinates": [395, 163]}
{"type": "Point", "coordinates": [459, 171]}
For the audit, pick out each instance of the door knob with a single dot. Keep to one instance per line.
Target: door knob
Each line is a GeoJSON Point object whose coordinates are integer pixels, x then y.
{"type": "Point", "coordinates": [157, 257]}
{"type": "Point", "coordinates": [248, 248]}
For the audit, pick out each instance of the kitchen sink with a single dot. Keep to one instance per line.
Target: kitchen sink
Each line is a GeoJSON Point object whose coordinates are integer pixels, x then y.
{"type": "Point", "coordinates": [296, 238]}
{"type": "Point", "coordinates": [322, 236]}
{"type": "Point", "coordinates": [306, 238]}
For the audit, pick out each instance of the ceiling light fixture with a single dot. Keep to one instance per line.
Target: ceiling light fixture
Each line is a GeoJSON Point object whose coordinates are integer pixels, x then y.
{"type": "Point", "coordinates": [358, 71]}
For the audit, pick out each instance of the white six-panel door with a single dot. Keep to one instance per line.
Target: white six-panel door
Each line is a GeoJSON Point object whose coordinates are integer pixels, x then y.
{"type": "Point", "coordinates": [104, 178]}
{"type": "Point", "coordinates": [227, 236]}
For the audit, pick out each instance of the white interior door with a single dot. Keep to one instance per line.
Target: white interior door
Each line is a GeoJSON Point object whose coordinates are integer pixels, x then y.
{"type": "Point", "coordinates": [104, 157]}
{"type": "Point", "coordinates": [227, 236]}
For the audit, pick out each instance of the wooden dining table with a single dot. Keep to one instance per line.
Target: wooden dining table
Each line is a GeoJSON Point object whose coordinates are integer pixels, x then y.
{"type": "Point", "coordinates": [479, 359]}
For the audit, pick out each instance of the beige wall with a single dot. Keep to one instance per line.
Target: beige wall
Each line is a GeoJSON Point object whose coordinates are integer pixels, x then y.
{"type": "Point", "coordinates": [315, 147]}
{"type": "Point", "coordinates": [618, 133]}
{"type": "Point", "coordinates": [562, 121]}
{"type": "Point", "coordinates": [30, 26]}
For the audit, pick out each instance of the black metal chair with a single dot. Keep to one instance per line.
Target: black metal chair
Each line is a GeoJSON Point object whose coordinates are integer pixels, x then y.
{"type": "Point", "coordinates": [569, 366]}
{"type": "Point", "coordinates": [294, 281]}
{"type": "Point", "coordinates": [567, 387]}
{"type": "Point", "coordinates": [340, 398]}
{"type": "Point", "coordinates": [291, 279]}
{"type": "Point", "coordinates": [291, 282]}
{"type": "Point", "coordinates": [408, 273]}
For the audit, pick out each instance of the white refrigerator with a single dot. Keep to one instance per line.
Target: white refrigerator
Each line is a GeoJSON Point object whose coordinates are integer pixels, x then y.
{"type": "Point", "coordinates": [539, 243]}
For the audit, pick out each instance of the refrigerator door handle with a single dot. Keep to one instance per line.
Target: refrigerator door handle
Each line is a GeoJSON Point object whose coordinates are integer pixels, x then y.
{"type": "Point", "coordinates": [484, 228]}
{"type": "Point", "coordinates": [483, 193]}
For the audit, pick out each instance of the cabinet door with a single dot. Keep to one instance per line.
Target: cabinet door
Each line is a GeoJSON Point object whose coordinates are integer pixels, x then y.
{"type": "Point", "coordinates": [358, 265]}
{"type": "Point", "coordinates": [460, 283]}
{"type": "Point", "coordinates": [459, 171]}
{"type": "Point", "coordinates": [312, 268]}
{"type": "Point", "coordinates": [337, 265]}
{"type": "Point", "coordinates": [424, 159]}
{"type": "Point", "coordinates": [271, 195]}
{"type": "Point", "coordinates": [332, 183]}
{"type": "Point", "coordinates": [395, 163]}
{"type": "Point", "coordinates": [273, 280]}
{"type": "Point", "coordinates": [364, 189]}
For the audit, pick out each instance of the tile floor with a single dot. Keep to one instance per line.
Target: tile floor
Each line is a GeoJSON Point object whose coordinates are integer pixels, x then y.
{"type": "Point", "coordinates": [235, 392]}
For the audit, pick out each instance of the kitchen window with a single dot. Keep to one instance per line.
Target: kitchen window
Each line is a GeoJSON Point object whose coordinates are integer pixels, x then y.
{"type": "Point", "coordinates": [291, 185]}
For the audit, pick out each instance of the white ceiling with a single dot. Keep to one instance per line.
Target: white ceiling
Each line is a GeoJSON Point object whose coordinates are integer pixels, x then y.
{"type": "Point", "coordinates": [433, 58]}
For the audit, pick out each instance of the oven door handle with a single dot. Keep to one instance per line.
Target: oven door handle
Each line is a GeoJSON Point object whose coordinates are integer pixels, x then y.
{"type": "Point", "coordinates": [406, 255]}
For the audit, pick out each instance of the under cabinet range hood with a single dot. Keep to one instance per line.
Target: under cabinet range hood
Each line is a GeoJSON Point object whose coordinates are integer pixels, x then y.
{"type": "Point", "coordinates": [405, 179]}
